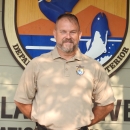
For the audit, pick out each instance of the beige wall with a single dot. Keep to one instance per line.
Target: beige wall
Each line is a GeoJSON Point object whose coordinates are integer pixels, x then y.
{"type": "Point", "coordinates": [10, 73]}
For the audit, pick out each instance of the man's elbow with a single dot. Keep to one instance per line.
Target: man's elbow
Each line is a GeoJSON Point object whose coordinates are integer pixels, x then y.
{"type": "Point", "coordinates": [16, 103]}
{"type": "Point", "coordinates": [111, 107]}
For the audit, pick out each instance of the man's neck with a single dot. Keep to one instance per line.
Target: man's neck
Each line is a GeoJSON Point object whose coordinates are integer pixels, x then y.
{"type": "Point", "coordinates": [65, 55]}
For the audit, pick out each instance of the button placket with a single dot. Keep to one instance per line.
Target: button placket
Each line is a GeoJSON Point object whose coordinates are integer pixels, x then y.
{"type": "Point", "coordinates": [66, 69]}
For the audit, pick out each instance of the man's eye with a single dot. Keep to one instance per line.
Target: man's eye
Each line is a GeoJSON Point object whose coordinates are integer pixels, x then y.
{"type": "Point", "coordinates": [63, 32]}
{"type": "Point", "coordinates": [74, 32]}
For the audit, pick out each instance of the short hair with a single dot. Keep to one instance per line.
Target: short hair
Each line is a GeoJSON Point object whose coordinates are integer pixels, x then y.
{"type": "Point", "coordinates": [70, 17]}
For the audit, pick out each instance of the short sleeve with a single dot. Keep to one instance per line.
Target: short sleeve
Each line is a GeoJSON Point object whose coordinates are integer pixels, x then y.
{"type": "Point", "coordinates": [102, 93]}
{"type": "Point", "coordinates": [27, 85]}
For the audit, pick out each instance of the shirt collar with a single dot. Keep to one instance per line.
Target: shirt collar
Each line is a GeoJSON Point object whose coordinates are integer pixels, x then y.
{"type": "Point", "coordinates": [55, 55]}
{"type": "Point", "coordinates": [78, 55]}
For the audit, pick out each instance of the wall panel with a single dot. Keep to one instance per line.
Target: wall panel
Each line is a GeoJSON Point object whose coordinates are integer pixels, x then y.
{"type": "Point", "coordinates": [10, 75]}
{"type": "Point", "coordinates": [127, 64]}
{"type": "Point", "coordinates": [16, 119]}
{"type": "Point", "coordinates": [121, 78]}
{"type": "Point", "coordinates": [8, 90]}
{"type": "Point", "coordinates": [9, 60]}
{"type": "Point", "coordinates": [2, 40]}
{"type": "Point", "coordinates": [0, 20]}
{"type": "Point", "coordinates": [0, 5]}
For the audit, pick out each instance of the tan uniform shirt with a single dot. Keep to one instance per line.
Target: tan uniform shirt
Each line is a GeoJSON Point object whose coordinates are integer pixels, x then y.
{"type": "Point", "coordinates": [61, 98]}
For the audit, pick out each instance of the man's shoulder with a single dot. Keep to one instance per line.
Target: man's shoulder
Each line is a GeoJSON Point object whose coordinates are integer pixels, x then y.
{"type": "Point", "coordinates": [45, 56]}
{"type": "Point", "coordinates": [42, 59]}
{"type": "Point", "coordinates": [90, 61]}
{"type": "Point", "coordinates": [87, 58]}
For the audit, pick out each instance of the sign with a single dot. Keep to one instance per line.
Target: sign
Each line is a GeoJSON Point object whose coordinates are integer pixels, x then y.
{"type": "Point", "coordinates": [28, 29]}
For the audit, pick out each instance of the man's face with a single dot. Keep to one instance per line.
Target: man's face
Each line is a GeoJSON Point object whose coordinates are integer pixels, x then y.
{"type": "Point", "coordinates": [67, 35]}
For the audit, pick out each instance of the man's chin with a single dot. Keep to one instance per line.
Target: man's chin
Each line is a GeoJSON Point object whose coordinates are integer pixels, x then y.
{"type": "Point", "coordinates": [68, 50]}
{"type": "Point", "coordinates": [68, 44]}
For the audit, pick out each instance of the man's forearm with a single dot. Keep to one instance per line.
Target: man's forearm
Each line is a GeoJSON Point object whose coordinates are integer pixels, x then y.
{"type": "Point", "coordinates": [100, 112]}
{"type": "Point", "coordinates": [25, 109]}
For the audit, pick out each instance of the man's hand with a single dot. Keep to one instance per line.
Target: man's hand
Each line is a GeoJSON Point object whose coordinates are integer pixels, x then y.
{"type": "Point", "coordinates": [25, 109]}
{"type": "Point", "coordinates": [100, 112]}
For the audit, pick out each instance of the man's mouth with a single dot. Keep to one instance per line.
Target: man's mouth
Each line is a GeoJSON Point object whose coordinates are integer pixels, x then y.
{"type": "Point", "coordinates": [68, 41]}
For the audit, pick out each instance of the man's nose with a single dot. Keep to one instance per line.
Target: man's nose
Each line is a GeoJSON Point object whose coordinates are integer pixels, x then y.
{"type": "Point", "coordinates": [68, 35]}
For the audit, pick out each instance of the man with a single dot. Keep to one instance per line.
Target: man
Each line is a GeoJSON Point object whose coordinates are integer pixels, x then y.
{"type": "Point", "coordinates": [57, 89]}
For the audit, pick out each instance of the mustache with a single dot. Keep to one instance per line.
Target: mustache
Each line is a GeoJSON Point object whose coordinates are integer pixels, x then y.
{"type": "Point", "coordinates": [68, 40]}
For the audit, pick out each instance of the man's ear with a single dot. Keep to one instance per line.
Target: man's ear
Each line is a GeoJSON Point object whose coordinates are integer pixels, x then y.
{"type": "Point", "coordinates": [80, 34]}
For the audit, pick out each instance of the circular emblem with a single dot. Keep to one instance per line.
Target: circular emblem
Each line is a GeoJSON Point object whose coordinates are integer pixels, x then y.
{"type": "Point", "coordinates": [32, 35]}
{"type": "Point", "coordinates": [80, 70]}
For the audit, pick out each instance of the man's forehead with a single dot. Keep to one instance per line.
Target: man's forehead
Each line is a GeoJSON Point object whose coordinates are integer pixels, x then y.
{"type": "Point", "coordinates": [64, 20]}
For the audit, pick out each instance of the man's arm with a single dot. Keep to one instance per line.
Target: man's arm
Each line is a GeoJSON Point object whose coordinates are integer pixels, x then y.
{"type": "Point", "coordinates": [100, 112]}
{"type": "Point", "coordinates": [25, 109]}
